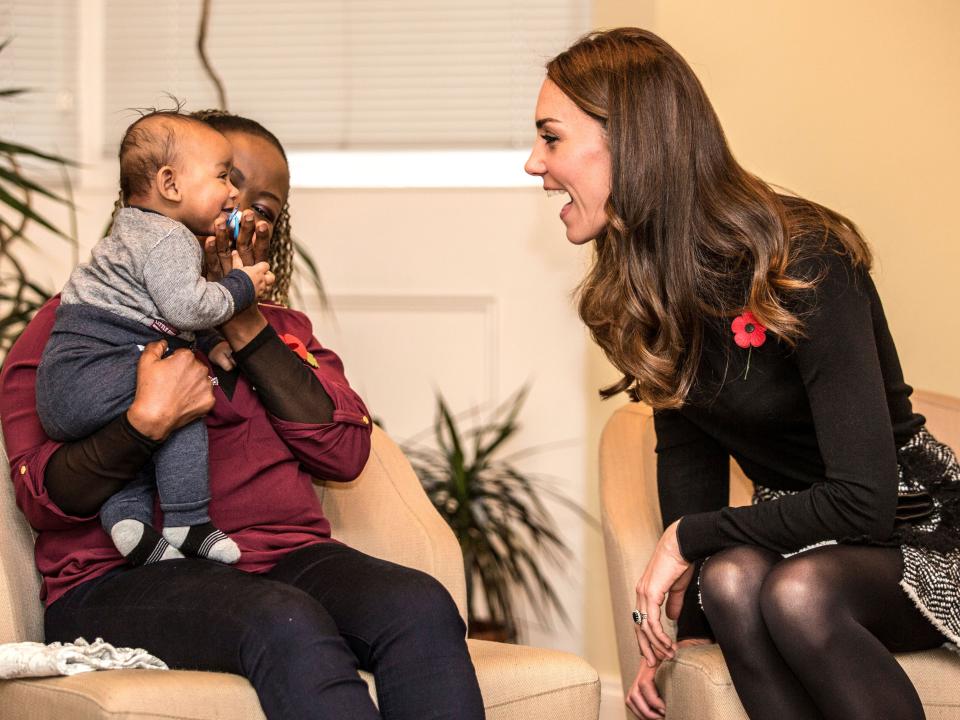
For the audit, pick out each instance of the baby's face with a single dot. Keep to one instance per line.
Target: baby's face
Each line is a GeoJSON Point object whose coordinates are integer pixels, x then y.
{"type": "Point", "coordinates": [203, 176]}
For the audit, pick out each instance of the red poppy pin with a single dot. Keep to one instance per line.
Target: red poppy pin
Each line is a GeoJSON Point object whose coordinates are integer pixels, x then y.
{"type": "Point", "coordinates": [295, 344]}
{"type": "Point", "coordinates": [748, 333]}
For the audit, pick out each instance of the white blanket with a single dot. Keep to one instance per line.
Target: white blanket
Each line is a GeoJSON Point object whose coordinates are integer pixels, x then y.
{"type": "Point", "coordinates": [31, 659]}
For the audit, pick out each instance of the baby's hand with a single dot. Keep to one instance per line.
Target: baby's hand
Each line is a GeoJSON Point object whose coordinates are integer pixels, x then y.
{"type": "Point", "coordinates": [222, 355]}
{"type": "Point", "coordinates": [259, 274]}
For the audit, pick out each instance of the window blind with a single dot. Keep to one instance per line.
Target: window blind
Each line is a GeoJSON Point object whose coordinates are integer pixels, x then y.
{"type": "Point", "coordinates": [40, 56]}
{"type": "Point", "coordinates": [345, 74]}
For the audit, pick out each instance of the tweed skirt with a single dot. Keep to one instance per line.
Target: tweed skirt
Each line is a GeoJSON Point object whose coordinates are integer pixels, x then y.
{"type": "Point", "coordinates": [927, 530]}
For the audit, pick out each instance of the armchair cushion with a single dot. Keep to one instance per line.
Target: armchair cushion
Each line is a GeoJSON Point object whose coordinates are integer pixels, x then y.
{"type": "Point", "coordinates": [697, 684]}
{"type": "Point", "coordinates": [518, 683]}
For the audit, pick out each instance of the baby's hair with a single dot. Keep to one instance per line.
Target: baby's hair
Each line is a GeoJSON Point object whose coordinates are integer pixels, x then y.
{"type": "Point", "coordinates": [148, 144]}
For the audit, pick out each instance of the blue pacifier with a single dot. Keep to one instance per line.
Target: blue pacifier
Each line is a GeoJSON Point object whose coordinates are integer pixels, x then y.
{"type": "Point", "coordinates": [233, 224]}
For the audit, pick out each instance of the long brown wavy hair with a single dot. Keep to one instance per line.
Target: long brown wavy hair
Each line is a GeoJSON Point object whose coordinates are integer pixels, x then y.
{"type": "Point", "coordinates": [690, 234]}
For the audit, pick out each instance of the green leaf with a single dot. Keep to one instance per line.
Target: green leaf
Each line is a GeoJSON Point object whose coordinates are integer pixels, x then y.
{"type": "Point", "coordinates": [28, 212]}
{"type": "Point", "coordinates": [302, 255]}
{"type": "Point", "coordinates": [17, 149]}
{"type": "Point", "coordinates": [16, 178]}
{"type": "Point", "coordinates": [455, 446]}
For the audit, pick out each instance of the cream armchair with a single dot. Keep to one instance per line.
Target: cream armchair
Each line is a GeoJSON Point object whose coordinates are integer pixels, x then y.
{"type": "Point", "coordinates": [385, 513]}
{"type": "Point", "coordinates": [696, 685]}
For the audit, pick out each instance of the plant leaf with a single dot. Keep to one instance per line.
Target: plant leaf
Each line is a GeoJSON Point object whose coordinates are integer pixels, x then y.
{"type": "Point", "coordinates": [302, 256]}
{"type": "Point", "coordinates": [507, 536]}
{"type": "Point", "coordinates": [18, 179]}
{"type": "Point", "coordinates": [16, 149]}
{"type": "Point", "coordinates": [27, 211]}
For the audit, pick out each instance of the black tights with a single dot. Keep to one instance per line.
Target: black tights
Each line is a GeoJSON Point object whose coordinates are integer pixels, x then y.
{"type": "Point", "coordinates": [811, 636]}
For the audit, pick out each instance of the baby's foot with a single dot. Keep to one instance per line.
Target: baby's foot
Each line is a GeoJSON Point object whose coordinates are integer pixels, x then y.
{"type": "Point", "coordinates": [140, 544]}
{"type": "Point", "coordinates": [203, 541]}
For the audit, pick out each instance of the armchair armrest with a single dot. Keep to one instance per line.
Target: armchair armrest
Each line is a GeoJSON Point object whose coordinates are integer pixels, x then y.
{"type": "Point", "coordinates": [386, 513]}
{"type": "Point", "coordinates": [630, 512]}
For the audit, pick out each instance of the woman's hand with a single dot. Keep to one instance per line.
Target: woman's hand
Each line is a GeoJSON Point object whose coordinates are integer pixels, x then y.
{"type": "Point", "coordinates": [171, 391]}
{"type": "Point", "coordinates": [222, 356]}
{"type": "Point", "coordinates": [665, 579]}
{"type": "Point", "coordinates": [643, 698]}
{"type": "Point", "coordinates": [253, 246]}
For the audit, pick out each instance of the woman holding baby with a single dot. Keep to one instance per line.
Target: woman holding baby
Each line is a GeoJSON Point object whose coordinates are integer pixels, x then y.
{"type": "Point", "coordinates": [297, 613]}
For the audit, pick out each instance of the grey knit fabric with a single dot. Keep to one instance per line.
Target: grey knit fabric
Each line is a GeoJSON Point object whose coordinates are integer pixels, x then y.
{"type": "Point", "coordinates": [149, 269]}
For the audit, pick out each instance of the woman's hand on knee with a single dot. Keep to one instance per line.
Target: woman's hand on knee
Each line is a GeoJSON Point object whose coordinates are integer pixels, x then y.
{"type": "Point", "coordinates": [643, 698]}
{"type": "Point", "coordinates": [171, 391]}
{"type": "Point", "coordinates": [665, 579]}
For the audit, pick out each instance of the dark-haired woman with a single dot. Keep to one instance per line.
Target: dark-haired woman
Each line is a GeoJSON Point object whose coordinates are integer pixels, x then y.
{"type": "Point", "coordinates": [748, 320]}
{"type": "Point", "coordinates": [299, 614]}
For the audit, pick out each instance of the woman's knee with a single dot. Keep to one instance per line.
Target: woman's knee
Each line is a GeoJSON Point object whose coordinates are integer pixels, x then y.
{"type": "Point", "coordinates": [731, 579]}
{"type": "Point", "coordinates": [281, 618]}
{"type": "Point", "coordinates": [425, 605]}
{"type": "Point", "coordinates": [799, 595]}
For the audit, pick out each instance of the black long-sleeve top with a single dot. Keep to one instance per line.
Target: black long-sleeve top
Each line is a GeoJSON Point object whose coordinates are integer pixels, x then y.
{"type": "Point", "coordinates": [823, 418]}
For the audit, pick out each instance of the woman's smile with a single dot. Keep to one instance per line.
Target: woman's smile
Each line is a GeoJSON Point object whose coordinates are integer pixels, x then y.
{"type": "Point", "coordinates": [572, 157]}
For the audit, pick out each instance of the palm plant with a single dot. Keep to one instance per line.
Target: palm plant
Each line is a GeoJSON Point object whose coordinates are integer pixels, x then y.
{"type": "Point", "coordinates": [495, 510]}
{"type": "Point", "coordinates": [21, 296]}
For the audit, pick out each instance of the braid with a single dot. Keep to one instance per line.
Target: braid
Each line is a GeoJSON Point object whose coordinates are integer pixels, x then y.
{"type": "Point", "coordinates": [117, 204]}
{"type": "Point", "coordinates": [281, 257]}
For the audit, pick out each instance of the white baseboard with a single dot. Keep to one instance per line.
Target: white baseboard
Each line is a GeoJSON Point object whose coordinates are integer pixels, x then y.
{"type": "Point", "coordinates": [611, 699]}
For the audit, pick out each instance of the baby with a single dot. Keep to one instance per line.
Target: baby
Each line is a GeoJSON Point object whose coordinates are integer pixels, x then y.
{"type": "Point", "coordinates": [145, 282]}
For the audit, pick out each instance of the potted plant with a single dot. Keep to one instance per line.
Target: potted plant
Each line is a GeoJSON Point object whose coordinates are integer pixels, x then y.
{"type": "Point", "coordinates": [506, 534]}
{"type": "Point", "coordinates": [20, 296]}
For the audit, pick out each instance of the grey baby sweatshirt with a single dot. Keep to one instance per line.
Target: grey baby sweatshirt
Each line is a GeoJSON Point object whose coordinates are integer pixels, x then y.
{"type": "Point", "coordinates": [150, 269]}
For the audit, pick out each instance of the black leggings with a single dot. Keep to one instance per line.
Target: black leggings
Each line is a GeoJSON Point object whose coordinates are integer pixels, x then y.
{"type": "Point", "coordinates": [299, 633]}
{"type": "Point", "coordinates": [811, 636]}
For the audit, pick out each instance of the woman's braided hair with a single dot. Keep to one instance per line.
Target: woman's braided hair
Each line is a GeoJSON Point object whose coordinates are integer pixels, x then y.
{"type": "Point", "coordinates": [281, 244]}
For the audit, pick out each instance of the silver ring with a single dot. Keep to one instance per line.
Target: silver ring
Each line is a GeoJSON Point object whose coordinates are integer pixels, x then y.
{"type": "Point", "coordinates": [638, 617]}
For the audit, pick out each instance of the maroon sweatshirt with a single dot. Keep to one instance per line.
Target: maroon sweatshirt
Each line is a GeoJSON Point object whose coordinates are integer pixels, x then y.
{"type": "Point", "coordinates": [261, 467]}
